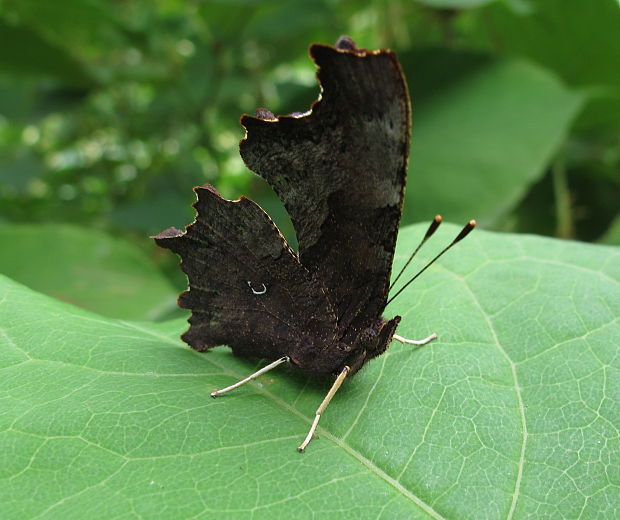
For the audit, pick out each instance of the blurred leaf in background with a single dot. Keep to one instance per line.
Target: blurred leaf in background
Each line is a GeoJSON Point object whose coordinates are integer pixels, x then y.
{"type": "Point", "coordinates": [110, 112]}
{"type": "Point", "coordinates": [88, 268]}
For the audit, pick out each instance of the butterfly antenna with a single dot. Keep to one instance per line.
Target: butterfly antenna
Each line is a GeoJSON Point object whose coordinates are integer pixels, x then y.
{"type": "Point", "coordinates": [429, 233]}
{"type": "Point", "coordinates": [464, 232]}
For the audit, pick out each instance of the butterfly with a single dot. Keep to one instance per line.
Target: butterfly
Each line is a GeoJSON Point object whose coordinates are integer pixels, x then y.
{"type": "Point", "coordinates": [340, 171]}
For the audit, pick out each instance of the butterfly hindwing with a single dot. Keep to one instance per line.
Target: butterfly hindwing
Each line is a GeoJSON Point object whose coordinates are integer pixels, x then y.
{"type": "Point", "coordinates": [247, 288]}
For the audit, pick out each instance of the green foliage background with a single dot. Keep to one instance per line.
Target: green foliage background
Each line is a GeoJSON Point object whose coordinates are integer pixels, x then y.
{"type": "Point", "coordinates": [110, 112]}
{"type": "Point", "coordinates": [113, 111]}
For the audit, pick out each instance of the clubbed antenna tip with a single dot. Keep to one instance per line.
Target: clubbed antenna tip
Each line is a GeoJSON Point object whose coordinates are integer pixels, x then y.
{"type": "Point", "coordinates": [429, 233]}
{"type": "Point", "coordinates": [432, 228]}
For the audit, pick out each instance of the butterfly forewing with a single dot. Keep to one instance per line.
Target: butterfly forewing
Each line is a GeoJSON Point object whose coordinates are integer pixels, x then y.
{"type": "Point", "coordinates": [340, 170]}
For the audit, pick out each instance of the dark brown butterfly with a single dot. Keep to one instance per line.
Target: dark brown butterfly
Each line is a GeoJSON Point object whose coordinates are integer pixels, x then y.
{"type": "Point", "coordinates": [340, 171]}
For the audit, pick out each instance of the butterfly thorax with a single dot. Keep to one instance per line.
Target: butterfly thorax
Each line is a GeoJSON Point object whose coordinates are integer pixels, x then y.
{"type": "Point", "coordinates": [331, 358]}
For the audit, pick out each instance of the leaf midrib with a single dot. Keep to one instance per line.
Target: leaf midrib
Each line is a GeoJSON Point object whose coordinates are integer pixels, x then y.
{"type": "Point", "coordinates": [353, 453]}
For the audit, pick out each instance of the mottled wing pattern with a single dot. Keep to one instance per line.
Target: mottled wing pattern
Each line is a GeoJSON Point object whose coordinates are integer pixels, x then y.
{"type": "Point", "coordinates": [340, 170]}
{"type": "Point", "coordinates": [247, 288]}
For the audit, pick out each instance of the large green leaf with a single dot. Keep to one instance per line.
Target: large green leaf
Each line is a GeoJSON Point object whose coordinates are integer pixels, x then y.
{"type": "Point", "coordinates": [484, 130]}
{"type": "Point", "coordinates": [86, 267]}
{"type": "Point", "coordinates": [513, 413]}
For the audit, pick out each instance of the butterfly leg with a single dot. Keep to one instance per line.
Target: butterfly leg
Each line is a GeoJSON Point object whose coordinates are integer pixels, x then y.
{"type": "Point", "coordinates": [269, 367]}
{"type": "Point", "coordinates": [332, 391]}
{"type": "Point", "coordinates": [415, 341]}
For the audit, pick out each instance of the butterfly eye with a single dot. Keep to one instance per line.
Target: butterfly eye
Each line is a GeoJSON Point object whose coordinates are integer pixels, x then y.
{"type": "Point", "coordinates": [262, 290]}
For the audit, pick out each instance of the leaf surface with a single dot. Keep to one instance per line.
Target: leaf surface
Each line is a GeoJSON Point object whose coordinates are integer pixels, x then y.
{"type": "Point", "coordinates": [512, 413]}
